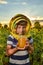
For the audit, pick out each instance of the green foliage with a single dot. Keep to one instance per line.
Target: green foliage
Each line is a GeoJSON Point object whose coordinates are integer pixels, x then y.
{"type": "Point", "coordinates": [37, 55]}
{"type": "Point", "coordinates": [37, 25]}
{"type": "Point", "coordinates": [4, 32]}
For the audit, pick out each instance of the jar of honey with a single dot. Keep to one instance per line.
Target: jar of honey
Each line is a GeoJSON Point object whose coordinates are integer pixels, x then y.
{"type": "Point", "coordinates": [22, 41]}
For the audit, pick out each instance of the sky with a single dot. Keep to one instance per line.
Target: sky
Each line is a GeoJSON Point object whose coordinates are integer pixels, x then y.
{"type": "Point", "coordinates": [30, 8]}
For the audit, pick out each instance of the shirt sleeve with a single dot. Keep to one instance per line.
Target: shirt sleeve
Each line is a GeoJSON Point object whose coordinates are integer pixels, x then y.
{"type": "Point", "coordinates": [11, 41]}
{"type": "Point", "coordinates": [30, 40]}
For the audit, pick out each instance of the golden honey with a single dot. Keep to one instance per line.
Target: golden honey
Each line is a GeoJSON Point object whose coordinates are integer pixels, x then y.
{"type": "Point", "coordinates": [22, 42]}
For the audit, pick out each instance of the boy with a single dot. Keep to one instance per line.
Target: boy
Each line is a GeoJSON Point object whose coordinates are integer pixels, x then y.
{"type": "Point", "coordinates": [19, 56]}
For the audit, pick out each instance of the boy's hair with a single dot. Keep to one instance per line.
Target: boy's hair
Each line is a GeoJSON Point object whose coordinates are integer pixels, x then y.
{"type": "Point", "coordinates": [22, 22]}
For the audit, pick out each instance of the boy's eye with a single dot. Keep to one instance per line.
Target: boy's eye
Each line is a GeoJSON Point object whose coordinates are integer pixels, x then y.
{"type": "Point", "coordinates": [23, 27]}
{"type": "Point", "coordinates": [19, 27]}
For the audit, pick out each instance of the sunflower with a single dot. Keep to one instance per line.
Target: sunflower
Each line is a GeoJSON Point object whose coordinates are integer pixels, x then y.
{"type": "Point", "coordinates": [15, 20]}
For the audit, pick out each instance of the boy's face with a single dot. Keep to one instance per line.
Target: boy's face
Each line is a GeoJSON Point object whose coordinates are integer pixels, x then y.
{"type": "Point", "coordinates": [21, 30]}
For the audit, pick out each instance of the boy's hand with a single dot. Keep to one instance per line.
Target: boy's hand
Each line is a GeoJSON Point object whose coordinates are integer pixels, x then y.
{"type": "Point", "coordinates": [18, 48]}
{"type": "Point", "coordinates": [21, 48]}
{"type": "Point", "coordinates": [27, 44]}
{"type": "Point", "coordinates": [25, 47]}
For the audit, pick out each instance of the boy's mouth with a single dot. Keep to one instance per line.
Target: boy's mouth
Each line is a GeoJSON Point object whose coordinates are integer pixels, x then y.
{"type": "Point", "coordinates": [23, 33]}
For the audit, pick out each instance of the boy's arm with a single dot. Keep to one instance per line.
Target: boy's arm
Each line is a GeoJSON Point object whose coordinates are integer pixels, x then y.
{"type": "Point", "coordinates": [10, 50]}
{"type": "Point", "coordinates": [30, 48]}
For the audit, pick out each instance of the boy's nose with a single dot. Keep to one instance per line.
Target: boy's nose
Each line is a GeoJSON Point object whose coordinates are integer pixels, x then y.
{"type": "Point", "coordinates": [21, 29]}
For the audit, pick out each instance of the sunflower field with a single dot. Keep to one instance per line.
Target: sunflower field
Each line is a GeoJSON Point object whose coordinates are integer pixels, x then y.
{"type": "Point", "coordinates": [36, 58]}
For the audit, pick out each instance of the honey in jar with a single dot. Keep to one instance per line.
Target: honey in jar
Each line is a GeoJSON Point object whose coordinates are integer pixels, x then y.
{"type": "Point", "coordinates": [22, 41]}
